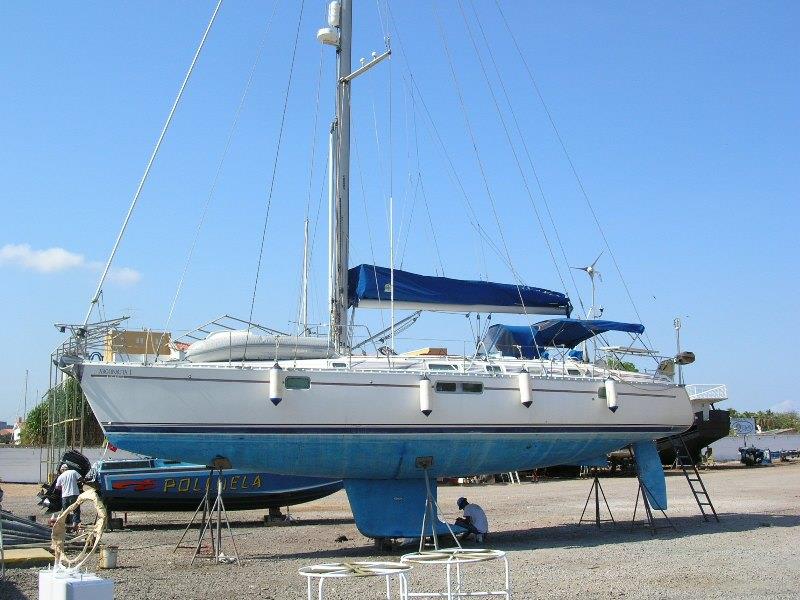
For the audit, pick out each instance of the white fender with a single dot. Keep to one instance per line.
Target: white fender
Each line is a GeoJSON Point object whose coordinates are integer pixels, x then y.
{"type": "Point", "coordinates": [525, 396]}
{"type": "Point", "coordinates": [425, 404]}
{"type": "Point", "coordinates": [276, 384]}
{"type": "Point", "coordinates": [611, 395]}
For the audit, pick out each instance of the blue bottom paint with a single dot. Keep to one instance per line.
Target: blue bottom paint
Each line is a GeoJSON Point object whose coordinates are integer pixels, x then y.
{"type": "Point", "coordinates": [379, 456]}
{"type": "Point", "coordinates": [390, 460]}
{"type": "Point", "coordinates": [392, 508]}
{"type": "Point", "coordinates": [651, 473]}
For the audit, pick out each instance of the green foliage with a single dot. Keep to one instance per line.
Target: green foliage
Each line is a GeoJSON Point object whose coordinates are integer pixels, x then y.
{"type": "Point", "coordinates": [65, 405]}
{"type": "Point", "coordinates": [621, 365]}
{"type": "Point", "coordinates": [766, 419]}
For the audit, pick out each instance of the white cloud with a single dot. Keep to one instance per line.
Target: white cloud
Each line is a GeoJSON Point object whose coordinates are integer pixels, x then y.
{"type": "Point", "coordinates": [786, 406]}
{"type": "Point", "coordinates": [52, 260]}
{"type": "Point", "coordinates": [124, 275]}
{"type": "Point", "coordinates": [43, 261]}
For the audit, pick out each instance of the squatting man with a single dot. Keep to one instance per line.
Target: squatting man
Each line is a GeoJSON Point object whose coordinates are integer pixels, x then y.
{"type": "Point", "coordinates": [474, 519]}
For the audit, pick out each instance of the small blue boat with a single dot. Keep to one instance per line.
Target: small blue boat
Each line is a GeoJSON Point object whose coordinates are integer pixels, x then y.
{"type": "Point", "coordinates": [153, 484]}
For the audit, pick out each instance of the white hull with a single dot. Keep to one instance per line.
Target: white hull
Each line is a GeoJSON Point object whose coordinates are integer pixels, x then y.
{"type": "Point", "coordinates": [207, 409]}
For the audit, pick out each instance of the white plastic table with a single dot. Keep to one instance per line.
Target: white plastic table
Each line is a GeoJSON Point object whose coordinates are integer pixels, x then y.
{"type": "Point", "coordinates": [455, 557]}
{"type": "Point", "coordinates": [348, 570]}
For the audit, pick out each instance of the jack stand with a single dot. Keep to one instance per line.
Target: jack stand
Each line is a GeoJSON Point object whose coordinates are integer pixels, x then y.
{"type": "Point", "coordinates": [211, 521]}
{"type": "Point", "coordinates": [431, 507]}
{"type": "Point", "coordinates": [597, 491]}
{"type": "Point", "coordinates": [648, 511]}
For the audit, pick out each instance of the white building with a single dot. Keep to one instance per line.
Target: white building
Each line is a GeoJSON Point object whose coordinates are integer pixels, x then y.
{"type": "Point", "coordinates": [17, 432]}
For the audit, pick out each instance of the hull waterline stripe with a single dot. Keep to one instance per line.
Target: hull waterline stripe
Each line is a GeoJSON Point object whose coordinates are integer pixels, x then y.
{"type": "Point", "coordinates": [388, 430]}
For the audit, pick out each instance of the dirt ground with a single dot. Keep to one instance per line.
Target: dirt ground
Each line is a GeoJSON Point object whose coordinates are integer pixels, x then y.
{"type": "Point", "coordinates": [752, 553]}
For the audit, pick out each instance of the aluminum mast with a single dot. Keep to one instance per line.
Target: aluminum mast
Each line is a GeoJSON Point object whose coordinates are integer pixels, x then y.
{"type": "Point", "coordinates": [339, 33]}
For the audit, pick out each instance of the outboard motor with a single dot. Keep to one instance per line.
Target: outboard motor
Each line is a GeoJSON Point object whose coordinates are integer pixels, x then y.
{"type": "Point", "coordinates": [49, 496]}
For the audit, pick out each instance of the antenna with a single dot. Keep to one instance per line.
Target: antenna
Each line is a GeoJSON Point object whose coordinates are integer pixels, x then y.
{"type": "Point", "coordinates": [25, 406]}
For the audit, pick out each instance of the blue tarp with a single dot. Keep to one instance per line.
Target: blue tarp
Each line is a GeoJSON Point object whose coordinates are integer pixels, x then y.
{"type": "Point", "coordinates": [525, 341]}
{"type": "Point", "coordinates": [370, 284]}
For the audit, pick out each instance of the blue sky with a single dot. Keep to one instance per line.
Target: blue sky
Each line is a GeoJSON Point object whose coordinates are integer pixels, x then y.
{"type": "Point", "coordinates": [681, 119]}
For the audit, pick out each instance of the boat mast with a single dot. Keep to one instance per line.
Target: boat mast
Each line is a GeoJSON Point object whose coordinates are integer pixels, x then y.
{"type": "Point", "coordinates": [341, 208]}
{"type": "Point", "coordinates": [339, 33]}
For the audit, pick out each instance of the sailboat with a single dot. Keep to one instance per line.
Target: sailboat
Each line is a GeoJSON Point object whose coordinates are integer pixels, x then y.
{"type": "Point", "coordinates": [386, 424]}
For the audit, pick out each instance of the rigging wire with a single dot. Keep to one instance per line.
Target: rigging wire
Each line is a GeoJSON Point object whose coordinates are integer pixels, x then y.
{"type": "Point", "coordinates": [514, 273]}
{"type": "Point", "coordinates": [272, 180]}
{"type": "Point", "coordinates": [218, 172]}
{"type": "Point", "coordinates": [150, 162]}
{"type": "Point", "coordinates": [471, 214]}
{"type": "Point", "coordinates": [571, 163]}
{"type": "Point", "coordinates": [303, 304]}
{"type": "Point", "coordinates": [366, 215]}
{"type": "Point", "coordinates": [316, 225]}
{"type": "Point", "coordinates": [421, 187]}
{"type": "Point", "coordinates": [529, 156]}
{"type": "Point", "coordinates": [517, 160]}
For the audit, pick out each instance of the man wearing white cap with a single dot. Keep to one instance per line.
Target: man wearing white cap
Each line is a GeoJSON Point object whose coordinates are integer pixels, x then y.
{"type": "Point", "coordinates": [67, 482]}
{"type": "Point", "coordinates": [474, 519]}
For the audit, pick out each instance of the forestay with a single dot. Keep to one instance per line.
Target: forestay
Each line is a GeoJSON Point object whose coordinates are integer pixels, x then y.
{"type": "Point", "coordinates": [371, 287]}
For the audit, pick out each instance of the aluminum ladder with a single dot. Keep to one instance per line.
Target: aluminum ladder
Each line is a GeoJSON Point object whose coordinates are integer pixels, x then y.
{"type": "Point", "coordinates": [684, 460]}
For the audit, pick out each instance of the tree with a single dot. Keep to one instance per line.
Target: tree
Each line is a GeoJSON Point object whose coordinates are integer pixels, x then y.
{"type": "Point", "coordinates": [66, 406]}
{"type": "Point", "coordinates": [766, 419]}
{"type": "Point", "coordinates": [621, 365]}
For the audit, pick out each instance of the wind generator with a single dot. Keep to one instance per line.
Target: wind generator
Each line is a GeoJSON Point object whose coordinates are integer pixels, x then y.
{"type": "Point", "coordinates": [592, 272]}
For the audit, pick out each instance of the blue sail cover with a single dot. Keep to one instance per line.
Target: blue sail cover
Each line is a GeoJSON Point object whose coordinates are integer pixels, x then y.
{"type": "Point", "coordinates": [370, 285]}
{"type": "Point", "coordinates": [525, 341]}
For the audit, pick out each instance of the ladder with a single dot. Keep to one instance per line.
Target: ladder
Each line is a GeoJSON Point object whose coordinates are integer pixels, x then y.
{"type": "Point", "coordinates": [684, 460]}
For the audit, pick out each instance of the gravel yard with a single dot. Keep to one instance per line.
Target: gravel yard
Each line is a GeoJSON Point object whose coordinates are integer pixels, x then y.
{"type": "Point", "coordinates": [752, 553]}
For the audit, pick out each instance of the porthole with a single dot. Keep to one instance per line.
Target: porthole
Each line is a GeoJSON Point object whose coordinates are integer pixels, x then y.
{"type": "Point", "coordinates": [294, 382]}
{"type": "Point", "coordinates": [472, 388]}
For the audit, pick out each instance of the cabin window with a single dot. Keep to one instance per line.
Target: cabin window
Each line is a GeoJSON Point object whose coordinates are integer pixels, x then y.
{"type": "Point", "coordinates": [442, 367]}
{"type": "Point", "coordinates": [601, 392]}
{"type": "Point", "coordinates": [575, 372]}
{"type": "Point", "coordinates": [446, 386]}
{"type": "Point", "coordinates": [494, 369]}
{"type": "Point", "coordinates": [339, 365]}
{"type": "Point", "coordinates": [297, 383]}
{"type": "Point", "coordinates": [453, 387]}
{"type": "Point", "coordinates": [472, 388]}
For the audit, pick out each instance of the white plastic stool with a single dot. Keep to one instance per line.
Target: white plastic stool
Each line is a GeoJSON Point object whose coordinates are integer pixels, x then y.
{"type": "Point", "coordinates": [358, 569]}
{"type": "Point", "coordinates": [455, 557]}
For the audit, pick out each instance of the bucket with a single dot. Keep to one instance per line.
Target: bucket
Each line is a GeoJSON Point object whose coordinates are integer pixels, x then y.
{"type": "Point", "coordinates": [108, 557]}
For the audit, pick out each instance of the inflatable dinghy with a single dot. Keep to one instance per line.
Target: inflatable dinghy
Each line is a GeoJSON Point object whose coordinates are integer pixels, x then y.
{"type": "Point", "coordinates": [223, 346]}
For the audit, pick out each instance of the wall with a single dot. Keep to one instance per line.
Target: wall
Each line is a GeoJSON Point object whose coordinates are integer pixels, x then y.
{"type": "Point", "coordinates": [728, 448]}
{"type": "Point", "coordinates": [21, 465]}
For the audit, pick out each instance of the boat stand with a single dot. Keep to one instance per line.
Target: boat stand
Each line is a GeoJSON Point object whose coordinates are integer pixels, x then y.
{"type": "Point", "coordinates": [431, 508]}
{"type": "Point", "coordinates": [596, 490]}
{"type": "Point", "coordinates": [650, 519]}
{"type": "Point", "coordinates": [211, 521]}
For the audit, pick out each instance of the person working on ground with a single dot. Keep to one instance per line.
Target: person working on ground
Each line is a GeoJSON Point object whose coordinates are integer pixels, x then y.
{"type": "Point", "coordinates": [67, 482]}
{"type": "Point", "coordinates": [474, 519]}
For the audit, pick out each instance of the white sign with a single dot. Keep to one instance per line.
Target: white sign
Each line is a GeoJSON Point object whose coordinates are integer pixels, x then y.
{"type": "Point", "coordinates": [743, 425]}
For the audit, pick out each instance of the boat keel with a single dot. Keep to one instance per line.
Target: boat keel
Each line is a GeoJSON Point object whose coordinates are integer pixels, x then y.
{"type": "Point", "coordinates": [392, 508]}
